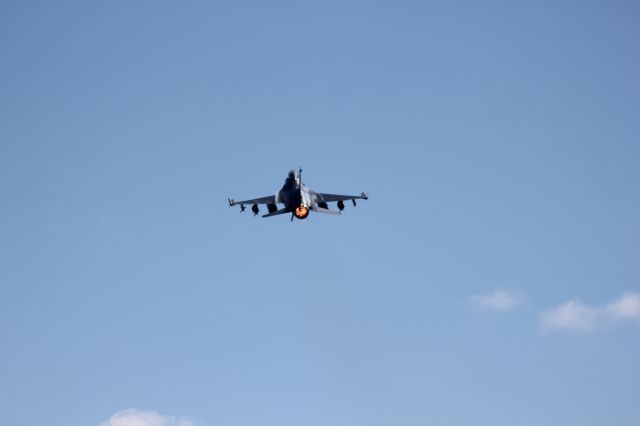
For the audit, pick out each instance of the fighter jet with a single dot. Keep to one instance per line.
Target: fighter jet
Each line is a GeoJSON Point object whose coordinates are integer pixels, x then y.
{"type": "Point", "coordinates": [298, 199]}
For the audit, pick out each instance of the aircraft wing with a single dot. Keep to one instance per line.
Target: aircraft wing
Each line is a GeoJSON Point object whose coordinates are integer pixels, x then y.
{"type": "Point", "coordinates": [327, 198]}
{"type": "Point", "coordinates": [263, 200]}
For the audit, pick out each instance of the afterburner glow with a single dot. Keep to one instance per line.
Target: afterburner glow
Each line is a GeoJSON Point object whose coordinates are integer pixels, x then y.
{"type": "Point", "coordinates": [301, 211]}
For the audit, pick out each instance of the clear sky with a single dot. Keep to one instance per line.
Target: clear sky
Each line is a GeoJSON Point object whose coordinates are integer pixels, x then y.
{"type": "Point", "coordinates": [492, 278]}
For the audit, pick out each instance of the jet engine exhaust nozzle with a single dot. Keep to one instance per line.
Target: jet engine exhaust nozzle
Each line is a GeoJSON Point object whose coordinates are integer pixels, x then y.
{"type": "Point", "coordinates": [301, 212]}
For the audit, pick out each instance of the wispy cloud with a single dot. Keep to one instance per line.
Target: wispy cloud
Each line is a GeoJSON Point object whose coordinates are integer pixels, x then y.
{"type": "Point", "coordinates": [499, 300]}
{"type": "Point", "coordinates": [627, 307]}
{"type": "Point", "coordinates": [144, 418]}
{"type": "Point", "coordinates": [576, 317]}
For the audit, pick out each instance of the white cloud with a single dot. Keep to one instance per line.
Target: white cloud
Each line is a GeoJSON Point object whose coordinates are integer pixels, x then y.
{"type": "Point", "coordinates": [627, 307]}
{"type": "Point", "coordinates": [499, 300]}
{"type": "Point", "coordinates": [571, 316]}
{"type": "Point", "coordinates": [144, 418]}
{"type": "Point", "coordinates": [577, 317]}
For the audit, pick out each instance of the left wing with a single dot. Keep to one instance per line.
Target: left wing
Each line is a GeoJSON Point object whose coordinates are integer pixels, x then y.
{"type": "Point", "coordinates": [263, 200]}
{"type": "Point", "coordinates": [327, 198]}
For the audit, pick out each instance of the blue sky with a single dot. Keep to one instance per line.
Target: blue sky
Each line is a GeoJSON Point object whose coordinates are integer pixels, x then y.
{"type": "Point", "coordinates": [492, 278]}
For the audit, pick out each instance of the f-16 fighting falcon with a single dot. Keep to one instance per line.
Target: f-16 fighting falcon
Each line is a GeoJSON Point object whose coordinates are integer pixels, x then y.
{"type": "Point", "coordinates": [298, 199]}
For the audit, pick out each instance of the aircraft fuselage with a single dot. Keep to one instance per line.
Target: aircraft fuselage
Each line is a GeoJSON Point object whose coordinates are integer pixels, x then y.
{"type": "Point", "coordinates": [296, 197]}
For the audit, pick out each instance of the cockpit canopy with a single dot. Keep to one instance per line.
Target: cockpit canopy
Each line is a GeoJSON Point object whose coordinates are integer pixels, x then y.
{"type": "Point", "coordinates": [294, 177]}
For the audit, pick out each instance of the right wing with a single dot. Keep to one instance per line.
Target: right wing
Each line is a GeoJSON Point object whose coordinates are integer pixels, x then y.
{"type": "Point", "coordinates": [327, 198]}
{"type": "Point", "coordinates": [263, 200]}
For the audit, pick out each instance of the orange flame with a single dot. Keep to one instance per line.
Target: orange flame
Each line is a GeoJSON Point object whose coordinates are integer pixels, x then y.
{"type": "Point", "coordinates": [301, 211]}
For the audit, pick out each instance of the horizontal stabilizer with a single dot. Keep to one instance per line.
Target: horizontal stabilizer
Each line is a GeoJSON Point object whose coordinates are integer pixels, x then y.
{"type": "Point", "coordinates": [326, 211]}
{"type": "Point", "coordinates": [277, 212]}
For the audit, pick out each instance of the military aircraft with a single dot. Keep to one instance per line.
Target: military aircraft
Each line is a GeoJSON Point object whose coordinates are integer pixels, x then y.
{"type": "Point", "coordinates": [298, 199]}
